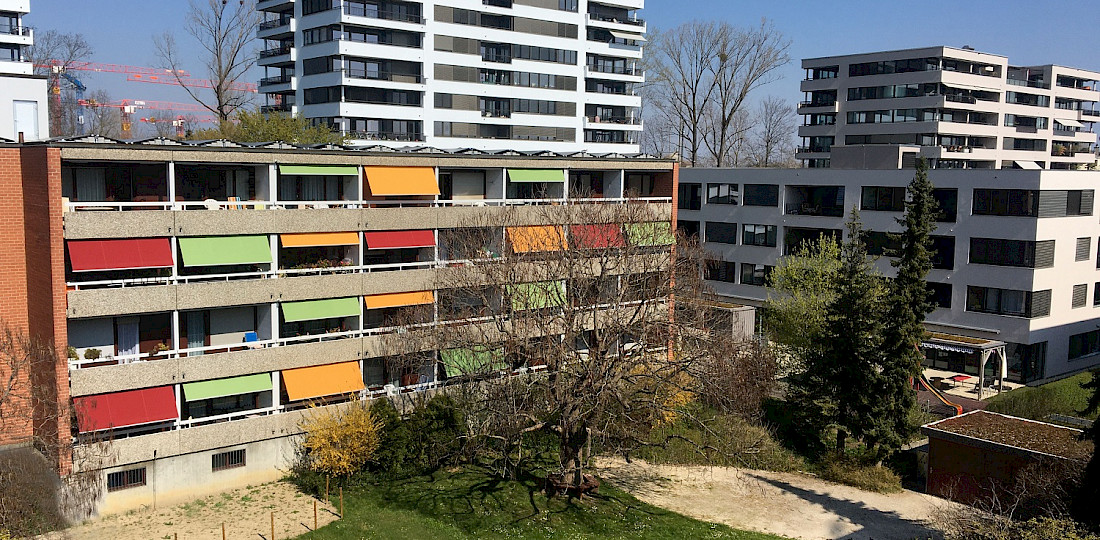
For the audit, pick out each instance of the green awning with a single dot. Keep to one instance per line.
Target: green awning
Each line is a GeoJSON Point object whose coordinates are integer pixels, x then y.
{"type": "Point", "coordinates": [658, 233]}
{"type": "Point", "coordinates": [312, 310]}
{"type": "Point", "coordinates": [479, 359]}
{"type": "Point", "coordinates": [537, 295]}
{"type": "Point", "coordinates": [233, 386]}
{"type": "Point", "coordinates": [222, 250]}
{"type": "Point", "coordinates": [536, 175]}
{"type": "Point", "coordinates": [319, 170]}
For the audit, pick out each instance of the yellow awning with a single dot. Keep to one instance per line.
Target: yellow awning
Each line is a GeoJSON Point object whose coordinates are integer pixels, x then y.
{"type": "Point", "coordinates": [378, 301]}
{"type": "Point", "coordinates": [391, 181]}
{"type": "Point", "coordinates": [318, 381]}
{"type": "Point", "coordinates": [319, 239]}
{"type": "Point", "coordinates": [536, 238]}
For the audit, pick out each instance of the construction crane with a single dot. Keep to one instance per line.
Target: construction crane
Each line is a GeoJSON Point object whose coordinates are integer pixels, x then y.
{"type": "Point", "coordinates": [60, 70]}
{"type": "Point", "coordinates": [127, 107]}
{"type": "Point", "coordinates": [189, 82]}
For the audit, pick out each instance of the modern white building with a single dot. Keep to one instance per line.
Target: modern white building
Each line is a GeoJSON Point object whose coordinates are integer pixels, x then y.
{"type": "Point", "coordinates": [524, 75]}
{"type": "Point", "coordinates": [1017, 250]}
{"type": "Point", "coordinates": [962, 108]}
{"type": "Point", "coordinates": [23, 106]}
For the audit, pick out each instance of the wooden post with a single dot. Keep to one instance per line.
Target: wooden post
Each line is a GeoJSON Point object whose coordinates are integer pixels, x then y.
{"type": "Point", "coordinates": [341, 502]}
{"type": "Point", "coordinates": [326, 488]}
{"type": "Point", "coordinates": [314, 515]}
{"type": "Point", "coordinates": [273, 526]}
{"type": "Point", "coordinates": [223, 530]}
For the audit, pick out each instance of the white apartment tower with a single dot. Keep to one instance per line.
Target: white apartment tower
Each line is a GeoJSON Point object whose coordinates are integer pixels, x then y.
{"type": "Point", "coordinates": [959, 108]}
{"type": "Point", "coordinates": [23, 107]}
{"type": "Point", "coordinates": [524, 75]}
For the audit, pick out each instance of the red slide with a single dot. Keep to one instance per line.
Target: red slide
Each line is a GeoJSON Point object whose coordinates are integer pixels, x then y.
{"type": "Point", "coordinates": [927, 386]}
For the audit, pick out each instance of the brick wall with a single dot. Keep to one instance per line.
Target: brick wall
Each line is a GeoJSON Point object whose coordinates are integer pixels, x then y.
{"type": "Point", "coordinates": [32, 286]}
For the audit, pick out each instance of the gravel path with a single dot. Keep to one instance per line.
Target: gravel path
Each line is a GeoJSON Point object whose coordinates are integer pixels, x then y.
{"type": "Point", "coordinates": [791, 505]}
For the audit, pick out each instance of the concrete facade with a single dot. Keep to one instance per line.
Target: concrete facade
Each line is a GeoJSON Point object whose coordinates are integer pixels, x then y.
{"type": "Point", "coordinates": [24, 111]}
{"type": "Point", "coordinates": [493, 74]}
{"type": "Point", "coordinates": [1040, 343]}
{"type": "Point", "coordinates": [961, 108]}
{"type": "Point", "coordinates": [170, 327]}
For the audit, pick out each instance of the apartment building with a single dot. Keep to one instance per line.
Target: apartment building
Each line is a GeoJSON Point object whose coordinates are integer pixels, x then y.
{"type": "Point", "coordinates": [554, 75]}
{"type": "Point", "coordinates": [960, 108]}
{"type": "Point", "coordinates": [1017, 261]}
{"type": "Point", "coordinates": [23, 110]}
{"type": "Point", "coordinates": [207, 292]}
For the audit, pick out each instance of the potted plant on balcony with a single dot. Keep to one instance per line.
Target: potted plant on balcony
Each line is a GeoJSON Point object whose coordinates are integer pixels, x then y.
{"type": "Point", "coordinates": [92, 354]}
{"type": "Point", "coordinates": [161, 348]}
{"type": "Point", "coordinates": [71, 353]}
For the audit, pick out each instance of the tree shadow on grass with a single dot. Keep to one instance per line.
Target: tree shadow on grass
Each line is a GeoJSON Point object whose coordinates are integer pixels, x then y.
{"type": "Point", "coordinates": [874, 523]}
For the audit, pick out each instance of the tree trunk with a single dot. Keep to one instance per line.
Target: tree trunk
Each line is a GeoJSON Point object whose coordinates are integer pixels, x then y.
{"type": "Point", "coordinates": [573, 444]}
{"type": "Point", "coordinates": [841, 437]}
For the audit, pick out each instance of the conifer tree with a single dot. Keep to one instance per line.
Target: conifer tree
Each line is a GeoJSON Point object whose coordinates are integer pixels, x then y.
{"type": "Point", "coordinates": [1087, 498]}
{"type": "Point", "coordinates": [909, 302]}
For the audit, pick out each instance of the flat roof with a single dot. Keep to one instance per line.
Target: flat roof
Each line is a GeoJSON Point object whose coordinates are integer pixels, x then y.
{"type": "Point", "coordinates": [913, 49]}
{"type": "Point", "coordinates": [1013, 434]}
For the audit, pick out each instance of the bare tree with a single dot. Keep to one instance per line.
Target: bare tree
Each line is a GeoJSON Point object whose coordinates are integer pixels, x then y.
{"type": "Point", "coordinates": [225, 31]}
{"type": "Point", "coordinates": [573, 337]}
{"type": "Point", "coordinates": [773, 133]}
{"type": "Point", "coordinates": [703, 73]}
{"type": "Point", "coordinates": [54, 53]}
{"type": "Point", "coordinates": [103, 118]}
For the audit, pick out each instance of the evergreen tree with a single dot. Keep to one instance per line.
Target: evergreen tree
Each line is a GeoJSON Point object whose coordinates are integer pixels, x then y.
{"type": "Point", "coordinates": [909, 302]}
{"type": "Point", "coordinates": [833, 388]}
{"type": "Point", "coordinates": [1087, 498]}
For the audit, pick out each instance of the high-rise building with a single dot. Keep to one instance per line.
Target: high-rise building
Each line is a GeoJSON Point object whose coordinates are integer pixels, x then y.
{"type": "Point", "coordinates": [23, 109]}
{"type": "Point", "coordinates": [555, 75]}
{"type": "Point", "coordinates": [958, 108]}
{"type": "Point", "coordinates": [207, 292]}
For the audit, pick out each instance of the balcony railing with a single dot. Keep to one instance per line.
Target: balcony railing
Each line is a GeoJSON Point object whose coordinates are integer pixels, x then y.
{"type": "Point", "coordinates": [606, 18]}
{"type": "Point", "coordinates": [359, 10]}
{"type": "Point", "coordinates": [277, 51]}
{"type": "Point", "coordinates": [268, 25]}
{"type": "Point", "coordinates": [278, 79]}
{"type": "Point", "coordinates": [385, 136]}
{"type": "Point", "coordinates": [817, 103]}
{"type": "Point", "coordinates": [618, 70]}
{"type": "Point", "coordinates": [383, 76]}
{"type": "Point", "coordinates": [15, 30]}
{"type": "Point", "coordinates": [609, 119]}
{"type": "Point", "coordinates": [282, 107]}
{"type": "Point", "coordinates": [1029, 84]}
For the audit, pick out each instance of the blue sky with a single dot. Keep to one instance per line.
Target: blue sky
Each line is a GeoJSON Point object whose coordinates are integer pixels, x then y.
{"type": "Point", "coordinates": [1028, 32]}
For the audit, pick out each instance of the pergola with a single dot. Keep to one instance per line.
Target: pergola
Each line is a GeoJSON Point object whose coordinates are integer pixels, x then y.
{"type": "Point", "coordinates": [984, 348]}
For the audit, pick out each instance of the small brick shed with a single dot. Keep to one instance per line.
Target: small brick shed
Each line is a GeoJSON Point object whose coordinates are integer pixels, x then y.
{"type": "Point", "coordinates": [971, 454]}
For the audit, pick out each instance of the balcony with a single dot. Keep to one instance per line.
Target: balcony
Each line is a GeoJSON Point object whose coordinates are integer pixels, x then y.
{"type": "Point", "coordinates": [809, 107]}
{"type": "Point", "coordinates": [375, 75]}
{"type": "Point", "coordinates": [276, 28]}
{"type": "Point", "coordinates": [815, 201]}
{"type": "Point", "coordinates": [274, 5]}
{"type": "Point", "coordinates": [277, 56]}
{"type": "Point", "coordinates": [361, 10]}
{"type": "Point", "coordinates": [632, 21]}
{"type": "Point", "coordinates": [612, 122]}
{"type": "Point", "coordinates": [281, 107]}
{"type": "Point", "coordinates": [276, 51]}
{"type": "Point", "coordinates": [278, 84]}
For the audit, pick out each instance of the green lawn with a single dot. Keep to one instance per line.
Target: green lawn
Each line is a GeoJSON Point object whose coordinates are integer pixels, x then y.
{"type": "Point", "coordinates": [1059, 397]}
{"type": "Point", "coordinates": [473, 503]}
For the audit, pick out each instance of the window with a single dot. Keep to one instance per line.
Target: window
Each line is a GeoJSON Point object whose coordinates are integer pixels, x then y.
{"type": "Point", "coordinates": [758, 235]}
{"type": "Point", "coordinates": [948, 201]}
{"type": "Point", "coordinates": [885, 199]}
{"type": "Point", "coordinates": [755, 274]}
{"type": "Point", "coordinates": [761, 195]}
{"type": "Point", "coordinates": [1096, 294]}
{"type": "Point", "coordinates": [1079, 202]}
{"type": "Point", "coordinates": [688, 228]}
{"type": "Point", "coordinates": [227, 460]}
{"type": "Point", "coordinates": [943, 252]}
{"type": "Point", "coordinates": [1022, 253]}
{"type": "Point", "coordinates": [722, 194]}
{"type": "Point", "coordinates": [125, 479]}
{"type": "Point", "coordinates": [941, 294]}
{"type": "Point", "coordinates": [722, 233]}
{"type": "Point", "coordinates": [1080, 293]}
{"type": "Point", "coordinates": [689, 197]}
{"type": "Point", "coordinates": [1008, 302]}
{"type": "Point", "coordinates": [722, 271]}
{"type": "Point", "coordinates": [882, 243]}
{"type": "Point", "coordinates": [1006, 202]}
{"type": "Point", "coordinates": [1084, 247]}
{"type": "Point", "coordinates": [1084, 344]}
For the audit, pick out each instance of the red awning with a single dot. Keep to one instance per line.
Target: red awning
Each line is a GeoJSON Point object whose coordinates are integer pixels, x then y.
{"type": "Point", "coordinates": [399, 239]}
{"type": "Point", "coordinates": [129, 408]}
{"type": "Point", "coordinates": [94, 255]}
{"type": "Point", "coordinates": [604, 235]}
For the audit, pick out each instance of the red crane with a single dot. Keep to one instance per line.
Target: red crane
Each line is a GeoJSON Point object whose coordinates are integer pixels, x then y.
{"type": "Point", "coordinates": [159, 78]}
{"type": "Point", "coordinates": [127, 107]}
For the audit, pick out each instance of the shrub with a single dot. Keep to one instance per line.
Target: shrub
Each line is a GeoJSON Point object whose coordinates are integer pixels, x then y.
{"type": "Point", "coordinates": [92, 354]}
{"type": "Point", "coordinates": [341, 440]}
{"type": "Point", "coordinates": [854, 471]}
{"type": "Point", "coordinates": [428, 438]}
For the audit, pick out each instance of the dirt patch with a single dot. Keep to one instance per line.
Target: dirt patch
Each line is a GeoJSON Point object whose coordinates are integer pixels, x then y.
{"type": "Point", "coordinates": [246, 513]}
{"type": "Point", "coordinates": [786, 504]}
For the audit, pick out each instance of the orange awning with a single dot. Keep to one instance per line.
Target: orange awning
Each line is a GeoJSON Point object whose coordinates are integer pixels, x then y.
{"type": "Point", "coordinates": [536, 238]}
{"type": "Point", "coordinates": [320, 239]}
{"type": "Point", "coordinates": [377, 301]}
{"type": "Point", "coordinates": [318, 381]}
{"type": "Point", "coordinates": [390, 181]}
